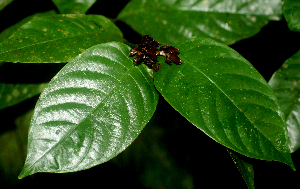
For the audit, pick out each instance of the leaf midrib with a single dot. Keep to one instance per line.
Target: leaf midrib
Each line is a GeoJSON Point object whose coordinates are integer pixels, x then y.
{"type": "Point", "coordinates": [91, 113]}
{"type": "Point", "coordinates": [226, 96]}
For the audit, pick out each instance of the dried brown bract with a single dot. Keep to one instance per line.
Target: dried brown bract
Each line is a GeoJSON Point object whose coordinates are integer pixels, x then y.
{"type": "Point", "coordinates": [147, 51]}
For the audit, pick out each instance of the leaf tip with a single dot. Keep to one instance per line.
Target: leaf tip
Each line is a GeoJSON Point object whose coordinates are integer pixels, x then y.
{"type": "Point", "coordinates": [290, 163]}
{"type": "Point", "coordinates": [22, 175]}
{"type": "Point", "coordinates": [293, 167]}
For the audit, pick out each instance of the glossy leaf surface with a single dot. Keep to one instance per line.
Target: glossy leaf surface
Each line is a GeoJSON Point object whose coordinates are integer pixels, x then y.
{"type": "Point", "coordinates": [90, 111]}
{"type": "Point", "coordinates": [73, 6]}
{"type": "Point", "coordinates": [291, 12]}
{"type": "Point", "coordinates": [222, 94]}
{"type": "Point", "coordinates": [285, 83]}
{"type": "Point", "coordinates": [57, 38]}
{"type": "Point", "coordinates": [172, 21]}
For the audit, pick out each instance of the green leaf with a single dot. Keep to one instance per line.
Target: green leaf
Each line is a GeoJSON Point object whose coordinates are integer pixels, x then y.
{"type": "Point", "coordinates": [9, 31]}
{"type": "Point", "coordinates": [227, 21]}
{"type": "Point", "coordinates": [246, 169]}
{"type": "Point", "coordinates": [291, 12]}
{"type": "Point", "coordinates": [222, 94]}
{"type": "Point", "coordinates": [285, 83]}
{"type": "Point", "coordinates": [91, 111]}
{"type": "Point", "coordinates": [57, 38]}
{"type": "Point", "coordinates": [73, 6]}
{"type": "Point", "coordinates": [3, 4]}
{"type": "Point", "coordinates": [13, 150]}
{"type": "Point", "coordinates": [14, 93]}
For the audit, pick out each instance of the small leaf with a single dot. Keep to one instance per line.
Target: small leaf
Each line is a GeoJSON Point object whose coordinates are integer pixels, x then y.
{"type": "Point", "coordinates": [291, 12]}
{"type": "Point", "coordinates": [91, 111]}
{"type": "Point", "coordinates": [73, 6]}
{"type": "Point", "coordinates": [246, 169]}
{"type": "Point", "coordinates": [14, 93]}
{"type": "Point", "coordinates": [57, 38]}
{"type": "Point", "coordinates": [285, 83]}
{"type": "Point", "coordinates": [227, 21]}
{"type": "Point", "coordinates": [222, 94]}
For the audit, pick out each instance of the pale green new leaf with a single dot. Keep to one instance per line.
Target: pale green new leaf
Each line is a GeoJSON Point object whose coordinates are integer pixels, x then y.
{"type": "Point", "coordinates": [57, 38]}
{"type": "Point", "coordinates": [90, 111]}
{"type": "Point", "coordinates": [222, 94]}
{"type": "Point", "coordinates": [73, 6]}
{"type": "Point", "coordinates": [285, 83]}
{"type": "Point", "coordinates": [172, 21]}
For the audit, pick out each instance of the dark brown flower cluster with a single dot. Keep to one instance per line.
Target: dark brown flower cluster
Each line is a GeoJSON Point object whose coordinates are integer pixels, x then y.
{"type": "Point", "coordinates": [147, 52]}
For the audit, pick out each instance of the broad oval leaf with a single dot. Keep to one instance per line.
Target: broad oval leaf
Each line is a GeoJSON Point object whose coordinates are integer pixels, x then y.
{"type": "Point", "coordinates": [57, 38]}
{"type": "Point", "coordinates": [291, 12]}
{"type": "Point", "coordinates": [227, 21]}
{"type": "Point", "coordinates": [222, 94]}
{"type": "Point", "coordinates": [90, 111]}
{"type": "Point", "coordinates": [285, 83]}
{"type": "Point", "coordinates": [73, 6]}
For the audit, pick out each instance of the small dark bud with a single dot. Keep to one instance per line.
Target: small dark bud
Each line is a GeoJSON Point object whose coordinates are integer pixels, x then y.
{"type": "Point", "coordinates": [147, 51]}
